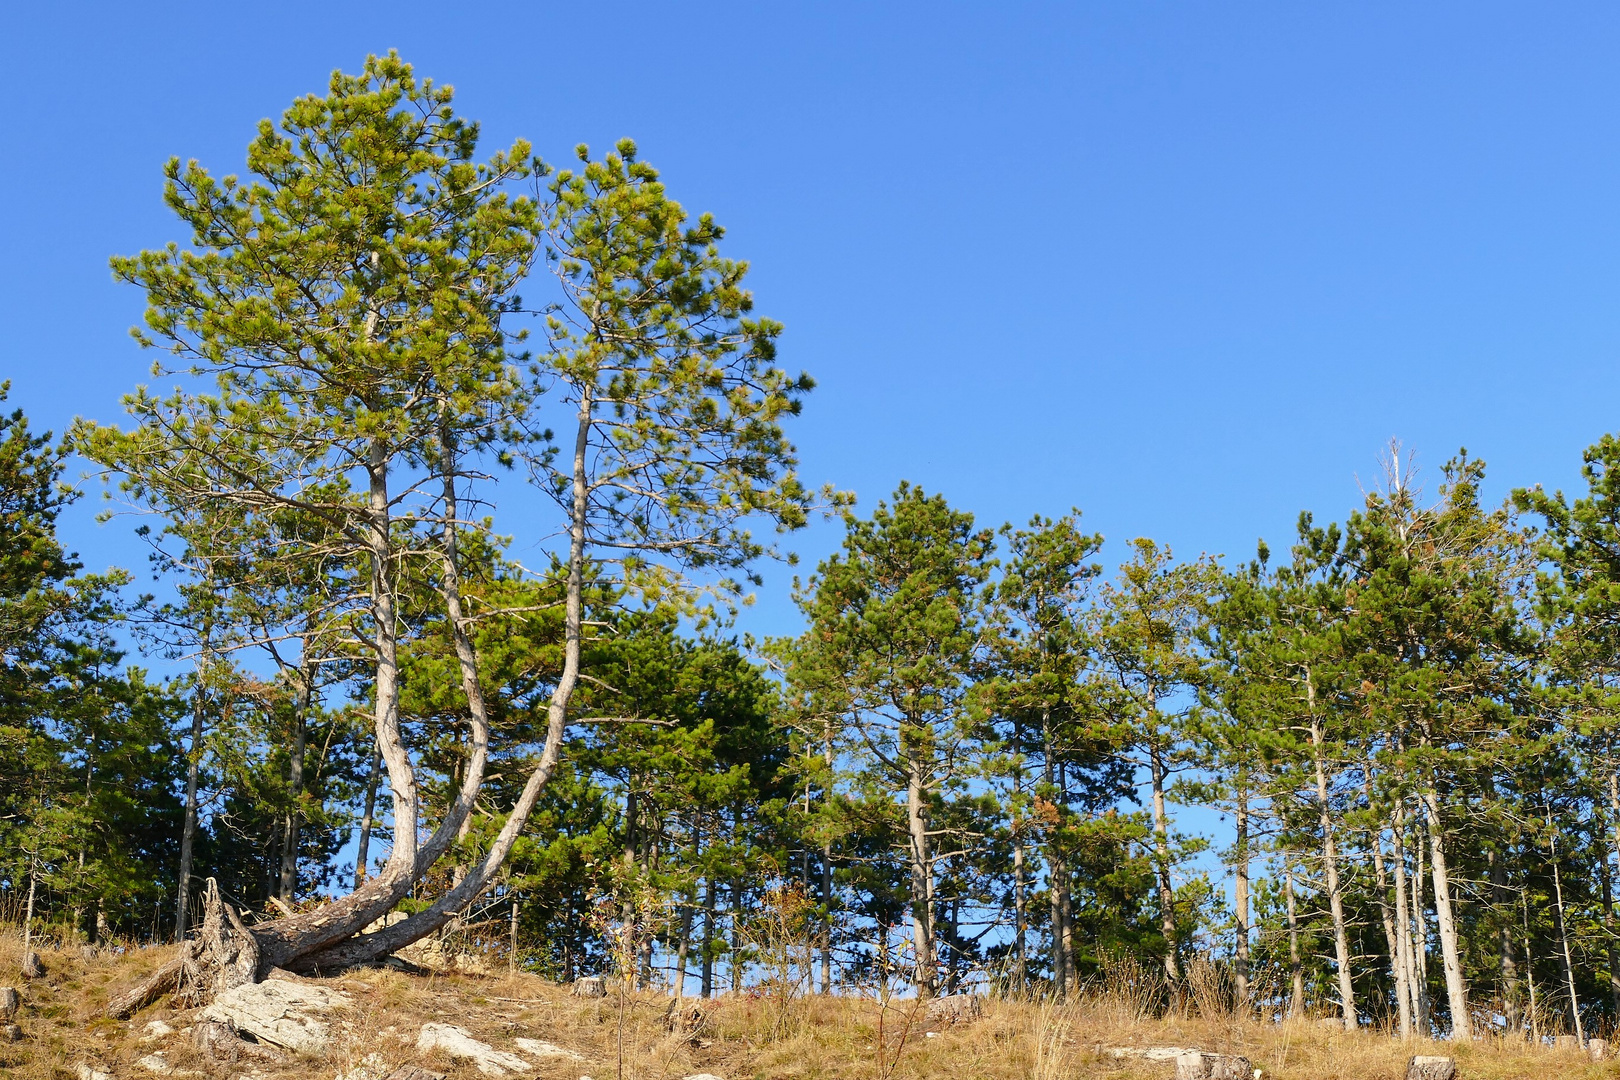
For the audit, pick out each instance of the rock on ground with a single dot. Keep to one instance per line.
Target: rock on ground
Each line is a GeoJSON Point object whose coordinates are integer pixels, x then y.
{"type": "Point", "coordinates": [32, 966]}
{"type": "Point", "coordinates": [220, 1041]}
{"type": "Point", "coordinates": [413, 1072]}
{"type": "Point", "coordinates": [1426, 1067]}
{"type": "Point", "coordinates": [159, 1064]}
{"type": "Point", "coordinates": [370, 1067]}
{"type": "Point", "coordinates": [155, 1030]}
{"type": "Point", "coordinates": [10, 1001]}
{"type": "Point", "coordinates": [702, 1076]}
{"type": "Point", "coordinates": [289, 1014]}
{"type": "Point", "coordinates": [541, 1048]}
{"type": "Point", "coordinates": [90, 1072]}
{"type": "Point", "coordinates": [1151, 1053]}
{"type": "Point", "coordinates": [459, 1043]}
{"type": "Point", "coordinates": [1201, 1066]}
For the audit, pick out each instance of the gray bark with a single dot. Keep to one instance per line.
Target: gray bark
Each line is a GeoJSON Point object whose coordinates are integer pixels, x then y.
{"type": "Point", "coordinates": [188, 831]}
{"type": "Point", "coordinates": [1462, 1027]}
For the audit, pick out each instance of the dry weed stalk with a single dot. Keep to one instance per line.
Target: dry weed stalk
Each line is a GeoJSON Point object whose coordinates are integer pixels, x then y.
{"type": "Point", "coordinates": [1049, 1032]}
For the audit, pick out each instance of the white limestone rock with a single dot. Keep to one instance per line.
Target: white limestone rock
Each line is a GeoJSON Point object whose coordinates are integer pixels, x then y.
{"type": "Point", "coordinates": [541, 1048]}
{"type": "Point", "coordinates": [459, 1043]}
{"type": "Point", "coordinates": [155, 1030]}
{"type": "Point", "coordinates": [288, 1014]}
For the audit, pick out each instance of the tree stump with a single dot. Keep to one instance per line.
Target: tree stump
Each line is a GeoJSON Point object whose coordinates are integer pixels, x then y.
{"type": "Point", "coordinates": [224, 955]}
{"type": "Point", "coordinates": [1425, 1067]}
{"type": "Point", "coordinates": [32, 966]}
{"type": "Point", "coordinates": [1566, 1042]}
{"type": "Point", "coordinates": [683, 1017]}
{"type": "Point", "coordinates": [589, 986]}
{"type": "Point", "coordinates": [955, 1009]}
{"type": "Point", "coordinates": [10, 1002]}
{"type": "Point", "coordinates": [1597, 1049]}
{"type": "Point", "coordinates": [1202, 1066]}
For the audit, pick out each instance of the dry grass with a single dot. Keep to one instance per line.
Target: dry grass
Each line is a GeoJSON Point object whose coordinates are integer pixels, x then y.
{"type": "Point", "coordinates": [821, 1037]}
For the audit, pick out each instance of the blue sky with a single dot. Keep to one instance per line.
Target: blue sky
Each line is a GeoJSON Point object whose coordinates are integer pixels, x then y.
{"type": "Point", "coordinates": [1185, 266]}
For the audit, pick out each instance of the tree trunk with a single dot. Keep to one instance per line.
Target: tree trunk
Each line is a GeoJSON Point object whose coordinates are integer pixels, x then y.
{"type": "Point", "coordinates": [1401, 952]}
{"type": "Point", "coordinates": [1066, 896]}
{"type": "Point", "coordinates": [1424, 1011]}
{"type": "Point", "coordinates": [28, 909]}
{"type": "Point", "coordinates": [922, 875]}
{"type": "Point", "coordinates": [736, 957]}
{"type": "Point", "coordinates": [709, 899]}
{"type": "Point", "coordinates": [1330, 864]}
{"type": "Point", "coordinates": [188, 831]}
{"type": "Point", "coordinates": [826, 866]}
{"type": "Point", "coordinates": [1608, 892]}
{"type": "Point", "coordinates": [1057, 869]}
{"type": "Point", "coordinates": [1513, 1018]}
{"type": "Point", "coordinates": [1462, 1028]}
{"type": "Point", "coordinates": [684, 945]}
{"type": "Point", "coordinates": [1296, 970]}
{"type": "Point", "coordinates": [362, 851]}
{"type": "Point", "coordinates": [1563, 937]}
{"type": "Point", "coordinates": [1020, 915]}
{"type": "Point", "coordinates": [1240, 896]}
{"type": "Point", "coordinates": [479, 878]}
{"type": "Point", "coordinates": [287, 886]}
{"type": "Point", "coordinates": [1161, 851]}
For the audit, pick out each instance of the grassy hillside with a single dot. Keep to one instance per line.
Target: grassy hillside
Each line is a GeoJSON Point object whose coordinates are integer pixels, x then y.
{"type": "Point", "coordinates": [742, 1036]}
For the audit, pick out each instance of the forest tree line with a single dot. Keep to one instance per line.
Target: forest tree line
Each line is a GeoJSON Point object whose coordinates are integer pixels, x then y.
{"type": "Point", "coordinates": [973, 766]}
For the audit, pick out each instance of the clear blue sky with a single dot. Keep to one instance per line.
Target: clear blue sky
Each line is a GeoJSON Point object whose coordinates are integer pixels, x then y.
{"type": "Point", "coordinates": [1185, 266]}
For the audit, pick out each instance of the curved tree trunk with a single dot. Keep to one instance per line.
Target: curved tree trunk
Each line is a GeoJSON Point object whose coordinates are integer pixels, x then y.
{"type": "Point", "coordinates": [338, 952]}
